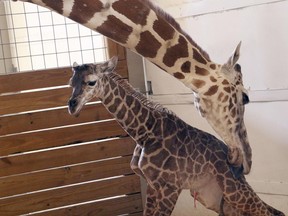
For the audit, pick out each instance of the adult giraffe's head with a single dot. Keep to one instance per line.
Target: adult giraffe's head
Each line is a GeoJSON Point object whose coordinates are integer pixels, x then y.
{"type": "Point", "coordinates": [222, 103]}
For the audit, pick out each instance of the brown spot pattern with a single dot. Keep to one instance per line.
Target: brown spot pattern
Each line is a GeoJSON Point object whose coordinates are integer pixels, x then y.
{"type": "Point", "coordinates": [198, 57]}
{"type": "Point", "coordinates": [112, 108]}
{"type": "Point", "coordinates": [225, 99]}
{"type": "Point", "coordinates": [109, 98]}
{"type": "Point", "coordinates": [234, 96]}
{"type": "Point", "coordinates": [227, 89]}
{"type": "Point", "coordinates": [179, 75]}
{"type": "Point", "coordinates": [129, 119]}
{"type": "Point", "coordinates": [186, 67]}
{"type": "Point", "coordinates": [212, 90]}
{"type": "Point", "coordinates": [56, 5]}
{"type": "Point", "coordinates": [129, 100]}
{"type": "Point", "coordinates": [213, 79]}
{"type": "Point", "coordinates": [233, 112]}
{"type": "Point", "coordinates": [198, 83]}
{"type": "Point", "coordinates": [201, 71]}
{"type": "Point", "coordinates": [220, 96]}
{"type": "Point", "coordinates": [148, 45]}
{"type": "Point", "coordinates": [180, 50]}
{"type": "Point", "coordinates": [225, 82]}
{"type": "Point", "coordinates": [213, 66]}
{"type": "Point", "coordinates": [163, 29]}
{"type": "Point", "coordinates": [137, 107]}
{"type": "Point", "coordinates": [231, 105]}
{"type": "Point", "coordinates": [138, 15]}
{"type": "Point", "coordinates": [115, 29]}
{"type": "Point", "coordinates": [82, 14]}
{"type": "Point", "coordinates": [122, 112]}
{"type": "Point", "coordinates": [159, 158]}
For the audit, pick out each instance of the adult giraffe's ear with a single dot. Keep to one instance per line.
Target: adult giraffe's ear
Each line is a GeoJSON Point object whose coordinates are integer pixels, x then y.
{"type": "Point", "coordinates": [234, 58]}
{"type": "Point", "coordinates": [110, 65]}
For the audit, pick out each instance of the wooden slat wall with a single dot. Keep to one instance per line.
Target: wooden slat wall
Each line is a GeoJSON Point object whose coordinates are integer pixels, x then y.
{"type": "Point", "coordinates": [52, 163]}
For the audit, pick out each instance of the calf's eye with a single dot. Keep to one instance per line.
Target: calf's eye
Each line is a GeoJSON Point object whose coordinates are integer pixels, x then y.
{"type": "Point", "coordinates": [92, 83]}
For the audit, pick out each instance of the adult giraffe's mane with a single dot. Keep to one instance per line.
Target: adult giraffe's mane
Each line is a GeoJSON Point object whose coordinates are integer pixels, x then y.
{"type": "Point", "coordinates": [123, 83]}
{"type": "Point", "coordinates": [161, 13]}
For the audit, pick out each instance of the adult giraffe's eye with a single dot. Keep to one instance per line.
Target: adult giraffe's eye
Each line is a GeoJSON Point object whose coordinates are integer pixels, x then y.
{"type": "Point", "coordinates": [245, 98]}
{"type": "Point", "coordinates": [92, 83]}
{"type": "Point", "coordinates": [237, 67]}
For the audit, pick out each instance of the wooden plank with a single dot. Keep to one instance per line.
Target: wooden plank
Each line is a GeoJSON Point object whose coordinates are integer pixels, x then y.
{"type": "Point", "coordinates": [59, 137]}
{"type": "Point", "coordinates": [35, 79]}
{"type": "Point", "coordinates": [118, 206]}
{"type": "Point", "coordinates": [44, 78]}
{"type": "Point", "coordinates": [115, 49]}
{"type": "Point", "coordinates": [66, 156]}
{"type": "Point", "coordinates": [59, 177]}
{"type": "Point", "coordinates": [69, 195]}
{"type": "Point", "coordinates": [122, 68]}
{"type": "Point", "coordinates": [51, 118]}
{"type": "Point", "coordinates": [34, 100]}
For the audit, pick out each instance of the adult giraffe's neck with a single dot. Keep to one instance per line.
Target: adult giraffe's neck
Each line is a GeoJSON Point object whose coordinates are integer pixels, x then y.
{"type": "Point", "coordinates": [145, 29]}
{"type": "Point", "coordinates": [130, 108]}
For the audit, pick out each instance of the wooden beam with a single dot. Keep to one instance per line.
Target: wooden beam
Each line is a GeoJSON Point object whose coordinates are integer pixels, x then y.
{"type": "Point", "coordinates": [55, 198]}
{"type": "Point", "coordinates": [59, 137]}
{"type": "Point", "coordinates": [70, 174]}
{"type": "Point", "coordinates": [35, 79]}
{"type": "Point", "coordinates": [15, 165]}
{"type": "Point", "coordinates": [24, 102]}
{"type": "Point", "coordinates": [51, 118]}
{"type": "Point", "coordinates": [117, 206]}
{"type": "Point", "coordinates": [115, 49]}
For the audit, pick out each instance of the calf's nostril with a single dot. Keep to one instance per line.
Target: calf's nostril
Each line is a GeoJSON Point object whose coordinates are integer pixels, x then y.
{"type": "Point", "coordinates": [72, 102]}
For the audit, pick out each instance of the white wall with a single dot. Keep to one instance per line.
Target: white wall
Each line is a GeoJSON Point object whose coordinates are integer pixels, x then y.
{"type": "Point", "coordinates": [262, 26]}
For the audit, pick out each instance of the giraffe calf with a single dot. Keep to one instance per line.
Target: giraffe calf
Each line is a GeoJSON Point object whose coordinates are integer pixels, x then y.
{"type": "Point", "coordinates": [170, 154]}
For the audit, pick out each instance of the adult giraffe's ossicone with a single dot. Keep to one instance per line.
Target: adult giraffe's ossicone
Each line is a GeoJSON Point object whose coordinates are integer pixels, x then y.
{"type": "Point", "coordinates": [145, 29]}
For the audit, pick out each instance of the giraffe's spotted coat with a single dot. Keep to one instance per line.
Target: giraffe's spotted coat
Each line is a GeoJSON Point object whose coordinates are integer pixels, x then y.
{"type": "Point", "coordinates": [55, 5]}
{"type": "Point", "coordinates": [137, 12]}
{"type": "Point", "coordinates": [186, 67]}
{"type": "Point", "coordinates": [151, 49]}
{"type": "Point", "coordinates": [81, 13]}
{"type": "Point", "coordinates": [198, 83]}
{"type": "Point", "coordinates": [198, 57]}
{"type": "Point", "coordinates": [112, 26]}
{"type": "Point", "coordinates": [213, 79]}
{"type": "Point", "coordinates": [163, 29]}
{"type": "Point", "coordinates": [179, 75]}
{"type": "Point", "coordinates": [180, 50]}
{"type": "Point", "coordinates": [201, 71]}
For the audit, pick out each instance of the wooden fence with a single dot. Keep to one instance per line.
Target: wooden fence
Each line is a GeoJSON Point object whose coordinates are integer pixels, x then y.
{"type": "Point", "coordinates": [52, 163]}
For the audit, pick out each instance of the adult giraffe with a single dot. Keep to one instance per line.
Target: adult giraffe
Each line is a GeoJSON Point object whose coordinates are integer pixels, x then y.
{"type": "Point", "coordinates": [147, 30]}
